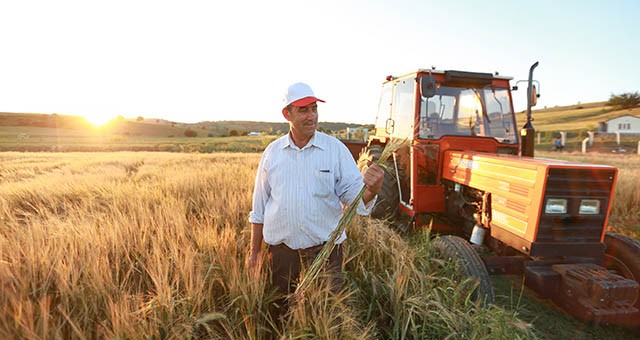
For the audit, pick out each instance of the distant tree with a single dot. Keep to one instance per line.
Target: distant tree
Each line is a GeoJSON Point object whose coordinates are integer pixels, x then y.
{"type": "Point", "coordinates": [233, 133]}
{"type": "Point", "coordinates": [139, 119]}
{"type": "Point", "coordinates": [54, 120]}
{"type": "Point", "coordinates": [625, 100]}
{"type": "Point", "coordinates": [190, 133]}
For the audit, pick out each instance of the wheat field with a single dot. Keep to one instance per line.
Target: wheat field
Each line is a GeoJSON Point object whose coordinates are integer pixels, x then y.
{"type": "Point", "coordinates": [134, 245]}
{"type": "Point", "coordinates": [152, 245]}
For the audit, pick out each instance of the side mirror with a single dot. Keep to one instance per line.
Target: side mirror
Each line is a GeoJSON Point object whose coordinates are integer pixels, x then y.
{"type": "Point", "coordinates": [534, 96]}
{"type": "Point", "coordinates": [428, 86]}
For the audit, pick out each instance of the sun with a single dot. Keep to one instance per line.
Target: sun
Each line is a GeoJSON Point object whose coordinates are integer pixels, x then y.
{"type": "Point", "coordinates": [98, 120]}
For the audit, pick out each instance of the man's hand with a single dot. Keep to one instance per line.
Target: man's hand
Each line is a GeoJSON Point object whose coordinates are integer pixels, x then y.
{"type": "Point", "coordinates": [254, 258]}
{"type": "Point", "coordinates": [254, 262]}
{"type": "Point", "coordinates": [372, 178]}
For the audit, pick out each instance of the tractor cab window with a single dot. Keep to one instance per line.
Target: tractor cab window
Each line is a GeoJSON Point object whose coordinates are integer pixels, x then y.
{"type": "Point", "coordinates": [384, 107]}
{"type": "Point", "coordinates": [403, 108]}
{"type": "Point", "coordinates": [500, 114]}
{"type": "Point", "coordinates": [485, 112]}
{"type": "Point", "coordinates": [469, 113]}
{"type": "Point", "coordinates": [436, 115]}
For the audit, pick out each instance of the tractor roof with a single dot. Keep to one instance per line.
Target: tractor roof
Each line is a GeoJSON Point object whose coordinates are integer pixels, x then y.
{"type": "Point", "coordinates": [496, 76]}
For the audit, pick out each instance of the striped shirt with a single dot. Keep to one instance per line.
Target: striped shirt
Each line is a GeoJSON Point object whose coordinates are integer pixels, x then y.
{"type": "Point", "coordinates": [300, 194]}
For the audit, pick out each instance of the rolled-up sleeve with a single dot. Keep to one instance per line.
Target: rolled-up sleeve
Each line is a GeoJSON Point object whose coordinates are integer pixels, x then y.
{"type": "Point", "coordinates": [261, 192]}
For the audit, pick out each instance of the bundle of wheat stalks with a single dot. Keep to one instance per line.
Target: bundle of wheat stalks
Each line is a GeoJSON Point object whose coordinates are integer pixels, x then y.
{"type": "Point", "coordinates": [313, 271]}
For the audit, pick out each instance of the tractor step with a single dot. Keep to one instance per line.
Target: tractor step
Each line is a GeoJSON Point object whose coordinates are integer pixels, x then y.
{"type": "Point", "coordinates": [595, 287]}
{"type": "Point", "coordinates": [587, 291]}
{"type": "Point", "coordinates": [591, 292]}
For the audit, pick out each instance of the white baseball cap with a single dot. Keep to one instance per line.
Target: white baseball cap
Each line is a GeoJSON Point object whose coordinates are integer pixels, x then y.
{"type": "Point", "coordinates": [299, 94]}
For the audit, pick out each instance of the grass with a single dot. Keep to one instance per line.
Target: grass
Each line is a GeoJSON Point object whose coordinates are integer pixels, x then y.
{"type": "Point", "coordinates": [121, 245]}
{"type": "Point", "coordinates": [37, 132]}
{"type": "Point", "coordinates": [138, 245]}
{"type": "Point", "coordinates": [581, 116]}
{"type": "Point", "coordinates": [575, 121]}
{"type": "Point", "coordinates": [152, 245]}
{"type": "Point", "coordinates": [547, 320]}
{"type": "Point", "coordinates": [53, 140]}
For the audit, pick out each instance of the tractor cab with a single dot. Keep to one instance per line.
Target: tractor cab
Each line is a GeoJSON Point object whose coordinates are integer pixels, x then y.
{"type": "Point", "coordinates": [430, 104]}
{"type": "Point", "coordinates": [439, 111]}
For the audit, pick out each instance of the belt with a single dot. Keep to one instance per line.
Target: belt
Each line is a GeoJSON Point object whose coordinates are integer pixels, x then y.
{"type": "Point", "coordinates": [314, 249]}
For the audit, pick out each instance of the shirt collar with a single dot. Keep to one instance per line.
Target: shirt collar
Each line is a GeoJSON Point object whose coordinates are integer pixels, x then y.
{"type": "Point", "coordinates": [316, 140]}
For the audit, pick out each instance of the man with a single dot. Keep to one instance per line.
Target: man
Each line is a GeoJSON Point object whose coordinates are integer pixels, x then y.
{"type": "Point", "coordinates": [557, 143]}
{"type": "Point", "coordinates": [302, 184]}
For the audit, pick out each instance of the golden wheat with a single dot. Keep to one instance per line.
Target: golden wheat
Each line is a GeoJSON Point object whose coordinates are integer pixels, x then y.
{"type": "Point", "coordinates": [152, 245]}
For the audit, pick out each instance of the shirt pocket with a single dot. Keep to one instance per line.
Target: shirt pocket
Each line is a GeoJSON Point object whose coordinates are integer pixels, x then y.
{"type": "Point", "coordinates": [323, 184]}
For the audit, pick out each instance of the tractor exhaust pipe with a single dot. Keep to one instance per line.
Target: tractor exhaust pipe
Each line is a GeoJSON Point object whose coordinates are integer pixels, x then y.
{"type": "Point", "coordinates": [528, 132]}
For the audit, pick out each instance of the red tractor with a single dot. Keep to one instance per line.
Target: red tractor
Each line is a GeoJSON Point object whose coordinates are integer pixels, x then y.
{"type": "Point", "coordinates": [470, 175]}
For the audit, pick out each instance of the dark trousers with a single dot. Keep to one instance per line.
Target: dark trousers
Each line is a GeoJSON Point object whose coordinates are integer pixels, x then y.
{"type": "Point", "coordinates": [286, 263]}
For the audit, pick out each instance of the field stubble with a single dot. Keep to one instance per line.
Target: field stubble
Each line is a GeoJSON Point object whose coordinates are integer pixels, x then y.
{"type": "Point", "coordinates": [139, 245]}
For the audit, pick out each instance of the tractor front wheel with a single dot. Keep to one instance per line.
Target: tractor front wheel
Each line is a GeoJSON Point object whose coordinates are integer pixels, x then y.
{"type": "Point", "coordinates": [453, 249]}
{"type": "Point", "coordinates": [622, 255]}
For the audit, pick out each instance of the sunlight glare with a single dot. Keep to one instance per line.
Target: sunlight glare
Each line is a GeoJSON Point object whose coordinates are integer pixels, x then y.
{"type": "Point", "coordinates": [470, 102]}
{"type": "Point", "coordinates": [98, 120]}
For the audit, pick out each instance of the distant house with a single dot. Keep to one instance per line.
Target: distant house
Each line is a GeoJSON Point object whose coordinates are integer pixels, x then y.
{"type": "Point", "coordinates": [622, 124]}
{"type": "Point", "coordinates": [253, 133]}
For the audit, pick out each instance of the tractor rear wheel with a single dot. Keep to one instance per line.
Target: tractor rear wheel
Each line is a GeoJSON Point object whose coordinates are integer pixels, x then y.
{"type": "Point", "coordinates": [388, 202]}
{"type": "Point", "coordinates": [622, 255]}
{"type": "Point", "coordinates": [453, 248]}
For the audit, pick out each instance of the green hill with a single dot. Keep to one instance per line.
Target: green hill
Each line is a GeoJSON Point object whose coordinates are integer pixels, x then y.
{"type": "Point", "coordinates": [575, 121]}
{"type": "Point", "coordinates": [50, 125]}
{"type": "Point", "coordinates": [575, 117]}
{"type": "Point", "coordinates": [60, 133]}
{"type": "Point", "coordinates": [32, 131]}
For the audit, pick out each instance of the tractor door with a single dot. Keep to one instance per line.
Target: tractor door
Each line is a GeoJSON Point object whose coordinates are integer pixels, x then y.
{"type": "Point", "coordinates": [403, 113]}
{"type": "Point", "coordinates": [384, 122]}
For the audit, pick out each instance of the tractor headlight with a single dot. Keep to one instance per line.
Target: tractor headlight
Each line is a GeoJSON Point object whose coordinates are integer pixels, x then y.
{"type": "Point", "coordinates": [589, 207]}
{"type": "Point", "coordinates": [556, 206]}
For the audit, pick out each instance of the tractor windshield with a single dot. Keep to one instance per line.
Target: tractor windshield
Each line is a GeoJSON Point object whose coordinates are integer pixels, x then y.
{"type": "Point", "coordinates": [485, 112]}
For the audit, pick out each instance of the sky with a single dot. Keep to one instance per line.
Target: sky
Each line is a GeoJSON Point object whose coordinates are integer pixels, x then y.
{"type": "Point", "coordinates": [191, 61]}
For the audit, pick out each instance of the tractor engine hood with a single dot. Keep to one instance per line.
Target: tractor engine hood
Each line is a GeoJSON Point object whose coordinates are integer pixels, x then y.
{"type": "Point", "coordinates": [545, 207]}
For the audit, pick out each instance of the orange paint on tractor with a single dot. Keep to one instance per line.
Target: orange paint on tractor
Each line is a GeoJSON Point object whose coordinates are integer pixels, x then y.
{"type": "Point", "coordinates": [469, 171]}
{"type": "Point", "coordinates": [517, 186]}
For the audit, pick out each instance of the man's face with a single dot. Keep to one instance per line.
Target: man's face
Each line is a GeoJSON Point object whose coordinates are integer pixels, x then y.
{"type": "Point", "coordinates": [303, 120]}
